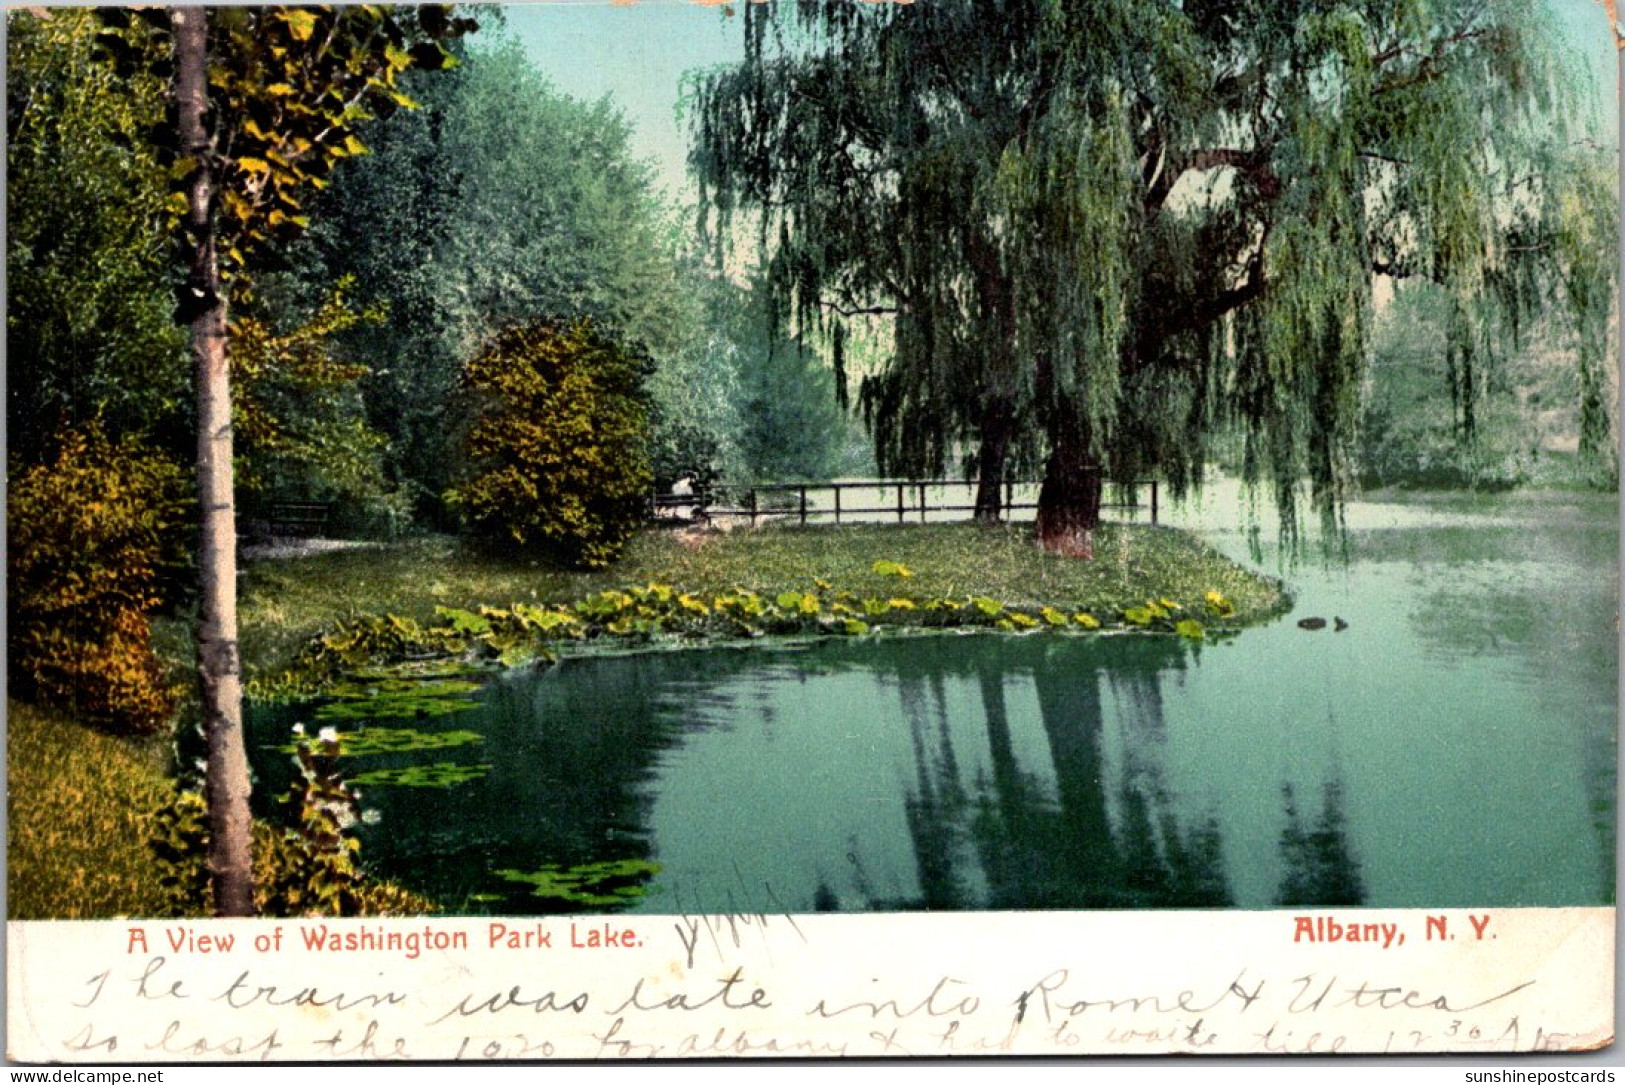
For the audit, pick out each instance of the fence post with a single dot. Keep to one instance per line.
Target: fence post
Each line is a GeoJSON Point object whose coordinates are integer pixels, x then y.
{"type": "Point", "coordinates": [753, 506]}
{"type": "Point", "coordinates": [804, 506]}
{"type": "Point", "coordinates": [922, 502]}
{"type": "Point", "coordinates": [837, 502]}
{"type": "Point", "coordinates": [1009, 497]}
{"type": "Point", "coordinates": [1153, 501]}
{"type": "Point", "coordinates": [899, 502]}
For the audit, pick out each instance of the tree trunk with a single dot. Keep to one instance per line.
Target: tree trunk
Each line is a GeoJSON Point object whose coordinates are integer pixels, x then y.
{"type": "Point", "coordinates": [996, 299]}
{"type": "Point", "coordinates": [1069, 502]}
{"type": "Point", "coordinates": [990, 460]}
{"type": "Point", "coordinates": [219, 677]}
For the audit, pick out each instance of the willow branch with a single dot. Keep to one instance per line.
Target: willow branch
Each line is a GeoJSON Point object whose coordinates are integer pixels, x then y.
{"type": "Point", "coordinates": [861, 310]}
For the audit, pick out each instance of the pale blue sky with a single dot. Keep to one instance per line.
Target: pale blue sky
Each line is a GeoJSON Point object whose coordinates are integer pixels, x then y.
{"type": "Point", "coordinates": [638, 53]}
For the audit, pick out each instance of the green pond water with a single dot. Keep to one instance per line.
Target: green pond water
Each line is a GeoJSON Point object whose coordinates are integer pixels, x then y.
{"type": "Point", "coordinates": [1454, 746]}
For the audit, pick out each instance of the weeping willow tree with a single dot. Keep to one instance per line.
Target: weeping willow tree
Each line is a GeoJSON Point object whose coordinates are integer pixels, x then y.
{"type": "Point", "coordinates": [1101, 237]}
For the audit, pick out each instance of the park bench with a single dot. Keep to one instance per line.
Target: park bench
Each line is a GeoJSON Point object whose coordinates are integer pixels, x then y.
{"type": "Point", "coordinates": [302, 518]}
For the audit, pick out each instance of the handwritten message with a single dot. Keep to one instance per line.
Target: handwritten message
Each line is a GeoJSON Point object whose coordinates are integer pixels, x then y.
{"type": "Point", "coordinates": [816, 986]}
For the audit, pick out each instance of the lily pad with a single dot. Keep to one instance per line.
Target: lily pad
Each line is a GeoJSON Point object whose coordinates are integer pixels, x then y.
{"type": "Point", "coordinates": [592, 884]}
{"type": "Point", "coordinates": [393, 707]}
{"type": "Point", "coordinates": [438, 774]}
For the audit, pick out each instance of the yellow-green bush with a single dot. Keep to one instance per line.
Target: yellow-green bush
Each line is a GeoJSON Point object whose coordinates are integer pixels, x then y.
{"type": "Point", "coordinates": [87, 535]}
{"type": "Point", "coordinates": [308, 867]}
{"type": "Point", "coordinates": [559, 459]}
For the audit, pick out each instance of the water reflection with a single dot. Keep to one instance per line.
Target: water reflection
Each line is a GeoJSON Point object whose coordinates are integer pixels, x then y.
{"type": "Point", "coordinates": [1106, 834]}
{"type": "Point", "coordinates": [1320, 868]}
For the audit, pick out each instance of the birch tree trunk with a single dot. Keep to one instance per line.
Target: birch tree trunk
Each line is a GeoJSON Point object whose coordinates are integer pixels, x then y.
{"type": "Point", "coordinates": [219, 672]}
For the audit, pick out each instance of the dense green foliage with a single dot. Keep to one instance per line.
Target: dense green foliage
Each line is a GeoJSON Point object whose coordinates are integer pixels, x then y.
{"type": "Point", "coordinates": [793, 428]}
{"type": "Point", "coordinates": [500, 201]}
{"type": "Point", "coordinates": [1098, 236]}
{"type": "Point", "coordinates": [791, 425]}
{"type": "Point", "coordinates": [298, 417]}
{"type": "Point", "coordinates": [497, 198]}
{"type": "Point", "coordinates": [288, 89]}
{"type": "Point", "coordinates": [558, 458]}
{"type": "Point", "coordinates": [1526, 415]}
{"type": "Point", "coordinates": [91, 328]}
{"type": "Point", "coordinates": [88, 294]}
{"type": "Point", "coordinates": [88, 534]}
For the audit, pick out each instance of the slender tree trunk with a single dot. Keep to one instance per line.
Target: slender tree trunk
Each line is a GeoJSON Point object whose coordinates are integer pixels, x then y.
{"type": "Point", "coordinates": [996, 299]}
{"type": "Point", "coordinates": [1069, 501]}
{"type": "Point", "coordinates": [219, 676]}
{"type": "Point", "coordinates": [990, 460]}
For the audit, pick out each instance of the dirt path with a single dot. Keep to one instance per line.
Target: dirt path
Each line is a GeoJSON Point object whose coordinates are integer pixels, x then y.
{"type": "Point", "coordinates": [281, 548]}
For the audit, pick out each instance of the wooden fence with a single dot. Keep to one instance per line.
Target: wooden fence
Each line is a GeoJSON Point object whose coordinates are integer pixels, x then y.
{"type": "Point", "coordinates": [801, 501]}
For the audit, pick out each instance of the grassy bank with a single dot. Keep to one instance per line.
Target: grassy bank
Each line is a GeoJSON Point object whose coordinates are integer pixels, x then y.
{"type": "Point", "coordinates": [285, 603]}
{"type": "Point", "coordinates": [80, 808]}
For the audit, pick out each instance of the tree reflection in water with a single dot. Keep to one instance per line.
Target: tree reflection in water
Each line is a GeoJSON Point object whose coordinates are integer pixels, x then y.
{"type": "Point", "coordinates": [1320, 868]}
{"type": "Point", "coordinates": [1106, 834]}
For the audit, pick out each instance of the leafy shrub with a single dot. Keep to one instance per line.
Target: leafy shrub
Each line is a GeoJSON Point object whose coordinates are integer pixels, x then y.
{"type": "Point", "coordinates": [88, 535]}
{"type": "Point", "coordinates": [311, 867]}
{"type": "Point", "coordinates": [297, 410]}
{"type": "Point", "coordinates": [558, 454]}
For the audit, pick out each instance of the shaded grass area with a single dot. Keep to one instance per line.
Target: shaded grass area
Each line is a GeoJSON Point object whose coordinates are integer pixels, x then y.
{"type": "Point", "coordinates": [81, 807]}
{"type": "Point", "coordinates": [285, 603]}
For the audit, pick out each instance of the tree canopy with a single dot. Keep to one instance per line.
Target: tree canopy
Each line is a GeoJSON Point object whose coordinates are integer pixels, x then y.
{"type": "Point", "coordinates": [1096, 237]}
{"type": "Point", "coordinates": [501, 201]}
{"type": "Point", "coordinates": [89, 301]}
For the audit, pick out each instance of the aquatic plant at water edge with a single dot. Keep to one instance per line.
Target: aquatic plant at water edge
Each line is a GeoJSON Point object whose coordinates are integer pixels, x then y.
{"type": "Point", "coordinates": [389, 648]}
{"type": "Point", "coordinates": [308, 867]}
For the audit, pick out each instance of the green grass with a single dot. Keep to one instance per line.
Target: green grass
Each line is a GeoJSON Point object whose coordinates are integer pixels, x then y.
{"type": "Point", "coordinates": [284, 603]}
{"type": "Point", "coordinates": [80, 809]}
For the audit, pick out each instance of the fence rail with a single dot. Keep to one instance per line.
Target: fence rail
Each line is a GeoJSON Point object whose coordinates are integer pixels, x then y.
{"type": "Point", "coordinates": [790, 500]}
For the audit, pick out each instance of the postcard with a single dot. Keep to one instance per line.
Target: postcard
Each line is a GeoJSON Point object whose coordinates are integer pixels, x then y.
{"type": "Point", "coordinates": [764, 530]}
